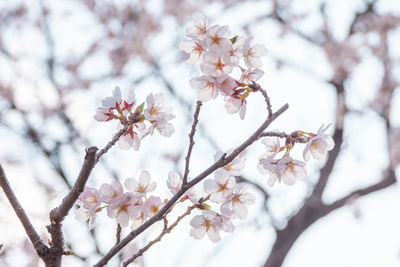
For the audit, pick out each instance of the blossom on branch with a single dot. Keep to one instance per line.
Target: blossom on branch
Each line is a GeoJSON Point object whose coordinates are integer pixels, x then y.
{"type": "Point", "coordinates": [111, 192]}
{"type": "Point", "coordinates": [133, 121]}
{"type": "Point", "coordinates": [220, 187]}
{"type": "Point", "coordinates": [141, 187]}
{"type": "Point", "coordinates": [234, 168]}
{"type": "Point", "coordinates": [289, 169]}
{"type": "Point", "coordinates": [124, 208]}
{"type": "Point", "coordinates": [207, 86]}
{"type": "Point", "coordinates": [152, 205]}
{"type": "Point", "coordinates": [209, 223]}
{"type": "Point", "coordinates": [200, 26]}
{"type": "Point", "coordinates": [237, 201]}
{"type": "Point", "coordinates": [319, 145]}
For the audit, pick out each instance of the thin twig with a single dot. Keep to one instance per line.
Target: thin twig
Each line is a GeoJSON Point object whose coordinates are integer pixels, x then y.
{"type": "Point", "coordinates": [118, 234]}
{"type": "Point", "coordinates": [165, 231]}
{"type": "Point", "coordinates": [191, 141]}
{"type": "Point", "coordinates": [34, 237]}
{"type": "Point", "coordinates": [277, 134]}
{"type": "Point", "coordinates": [111, 143]}
{"type": "Point", "coordinates": [220, 163]}
{"type": "Point", "coordinates": [256, 87]}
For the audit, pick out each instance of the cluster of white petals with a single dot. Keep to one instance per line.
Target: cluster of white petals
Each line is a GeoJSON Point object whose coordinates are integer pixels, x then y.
{"type": "Point", "coordinates": [130, 207]}
{"type": "Point", "coordinates": [218, 53]}
{"type": "Point", "coordinates": [142, 121]}
{"type": "Point", "coordinates": [233, 199]}
{"type": "Point", "coordinates": [287, 169]}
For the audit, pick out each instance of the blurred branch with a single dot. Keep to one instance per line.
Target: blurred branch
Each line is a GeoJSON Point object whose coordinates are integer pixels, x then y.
{"type": "Point", "coordinates": [41, 249]}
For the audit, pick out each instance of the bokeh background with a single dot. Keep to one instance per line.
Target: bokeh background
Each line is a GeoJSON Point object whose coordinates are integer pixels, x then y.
{"type": "Point", "coordinates": [332, 61]}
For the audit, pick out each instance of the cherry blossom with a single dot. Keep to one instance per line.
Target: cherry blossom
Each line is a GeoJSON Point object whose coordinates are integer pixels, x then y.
{"type": "Point", "coordinates": [130, 139]}
{"type": "Point", "coordinates": [225, 220]}
{"type": "Point", "coordinates": [111, 192]}
{"type": "Point", "coordinates": [236, 53]}
{"type": "Point", "coordinates": [235, 105]}
{"type": "Point", "coordinates": [288, 170]}
{"type": "Point", "coordinates": [124, 208]}
{"type": "Point", "coordinates": [90, 198]}
{"type": "Point", "coordinates": [141, 187]}
{"type": "Point", "coordinates": [273, 145]}
{"type": "Point", "coordinates": [113, 102]}
{"type": "Point", "coordinates": [216, 63]}
{"type": "Point", "coordinates": [152, 205]}
{"type": "Point", "coordinates": [226, 84]}
{"type": "Point", "coordinates": [82, 214]}
{"type": "Point", "coordinates": [237, 201]}
{"type": "Point", "coordinates": [174, 184]}
{"type": "Point", "coordinates": [200, 26]}
{"type": "Point", "coordinates": [234, 168]}
{"type": "Point", "coordinates": [217, 38]}
{"type": "Point", "coordinates": [253, 53]}
{"type": "Point", "coordinates": [268, 165]}
{"type": "Point", "coordinates": [208, 223]}
{"type": "Point", "coordinates": [163, 126]}
{"type": "Point", "coordinates": [250, 75]}
{"type": "Point", "coordinates": [319, 145]}
{"type": "Point", "coordinates": [104, 114]}
{"type": "Point", "coordinates": [206, 86]}
{"type": "Point", "coordinates": [157, 114]}
{"type": "Point", "coordinates": [156, 108]}
{"type": "Point", "coordinates": [219, 188]}
{"type": "Point", "coordinates": [195, 49]}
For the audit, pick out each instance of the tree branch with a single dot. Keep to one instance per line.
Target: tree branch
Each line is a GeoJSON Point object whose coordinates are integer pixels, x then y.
{"type": "Point", "coordinates": [34, 237]}
{"type": "Point", "coordinates": [191, 141]}
{"type": "Point", "coordinates": [58, 214]}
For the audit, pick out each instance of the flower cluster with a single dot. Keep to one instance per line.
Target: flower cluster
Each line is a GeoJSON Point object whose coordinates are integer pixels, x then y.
{"type": "Point", "coordinates": [218, 54]}
{"type": "Point", "coordinates": [156, 114]}
{"type": "Point", "coordinates": [126, 207]}
{"type": "Point", "coordinates": [232, 198]}
{"type": "Point", "coordinates": [286, 168]}
{"type": "Point", "coordinates": [134, 205]}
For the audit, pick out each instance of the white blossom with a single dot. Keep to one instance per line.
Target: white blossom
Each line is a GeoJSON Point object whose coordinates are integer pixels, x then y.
{"type": "Point", "coordinates": [216, 63]}
{"type": "Point", "coordinates": [217, 38]}
{"type": "Point", "coordinates": [206, 85]}
{"type": "Point", "coordinates": [200, 26]}
{"type": "Point", "coordinates": [235, 105]}
{"type": "Point", "coordinates": [237, 201]}
{"type": "Point", "coordinates": [253, 53]}
{"type": "Point", "coordinates": [208, 223]}
{"type": "Point", "coordinates": [288, 170]}
{"type": "Point", "coordinates": [141, 187]}
{"type": "Point", "coordinates": [220, 187]}
{"type": "Point", "coordinates": [319, 145]}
